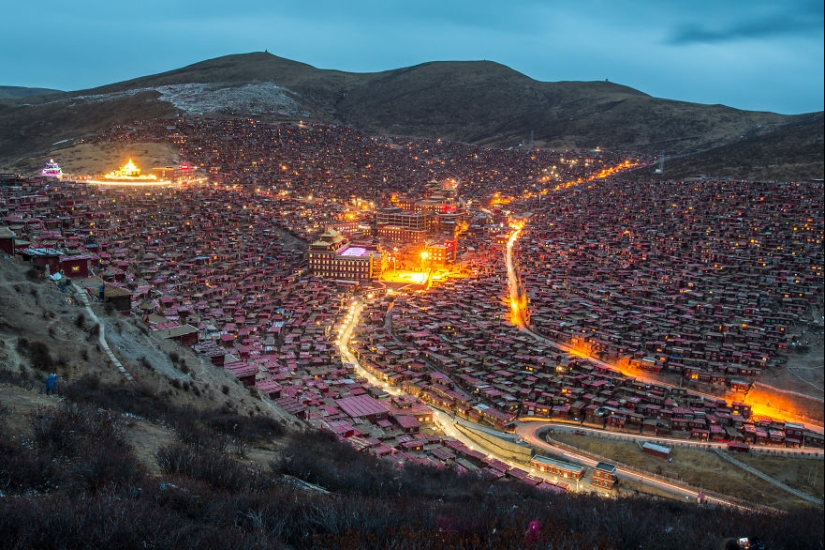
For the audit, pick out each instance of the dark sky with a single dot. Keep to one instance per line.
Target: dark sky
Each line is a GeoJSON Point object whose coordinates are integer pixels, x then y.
{"type": "Point", "coordinates": [763, 55]}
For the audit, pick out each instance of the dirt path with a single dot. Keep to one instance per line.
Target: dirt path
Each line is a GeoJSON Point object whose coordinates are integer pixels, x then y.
{"type": "Point", "coordinates": [101, 327]}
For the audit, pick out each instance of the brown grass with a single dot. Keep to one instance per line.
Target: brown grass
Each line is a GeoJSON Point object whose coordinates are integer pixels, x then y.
{"type": "Point", "coordinates": [706, 470]}
{"type": "Point", "coordinates": [804, 475]}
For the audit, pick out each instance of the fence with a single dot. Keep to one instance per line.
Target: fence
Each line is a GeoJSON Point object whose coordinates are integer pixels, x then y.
{"type": "Point", "coordinates": [786, 453]}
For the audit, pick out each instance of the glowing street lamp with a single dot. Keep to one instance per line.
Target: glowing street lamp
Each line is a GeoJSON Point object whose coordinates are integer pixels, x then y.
{"type": "Point", "coordinates": [424, 256]}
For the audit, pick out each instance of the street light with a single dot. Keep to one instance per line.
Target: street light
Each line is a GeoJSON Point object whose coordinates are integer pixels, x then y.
{"type": "Point", "coordinates": [424, 256]}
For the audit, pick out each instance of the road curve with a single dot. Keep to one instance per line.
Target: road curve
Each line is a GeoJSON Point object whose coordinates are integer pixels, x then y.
{"type": "Point", "coordinates": [529, 433]}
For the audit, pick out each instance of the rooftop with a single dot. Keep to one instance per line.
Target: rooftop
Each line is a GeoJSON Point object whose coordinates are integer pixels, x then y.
{"type": "Point", "coordinates": [361, 405]}
{"type": "Point", "coordinates": [354, 251]}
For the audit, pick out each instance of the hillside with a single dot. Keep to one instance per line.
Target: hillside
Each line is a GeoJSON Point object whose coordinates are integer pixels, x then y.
{"type": "Point", "coordinates": [187, 457]}
{"type": "Point", "coordinates": [19, 92]}
{"type": "Point", "coordinates": [477, 102]}
{"type": "Point", "coordinates": [43, 329]}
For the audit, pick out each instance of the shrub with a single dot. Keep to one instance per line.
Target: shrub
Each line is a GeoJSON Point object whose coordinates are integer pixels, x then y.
{"type": "Point", "coordinates": [205, 465]}
{"type": "Point", "coordinates": [56, 430]}
{"type": "Point", "coordinates": [255, 428]}
{"type": "Point", "coordinates": [23, 469]}
{"type": "Point", "coordinates": [33, 273]}
{"type": "Point", "coordinates": [136, 399]}
{"type": "Point", "coordinates": [38, 354]}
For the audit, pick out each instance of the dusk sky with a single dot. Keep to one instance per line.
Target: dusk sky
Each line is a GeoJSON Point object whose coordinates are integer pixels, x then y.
{"type": "Point", "coordinates": [763, 55]}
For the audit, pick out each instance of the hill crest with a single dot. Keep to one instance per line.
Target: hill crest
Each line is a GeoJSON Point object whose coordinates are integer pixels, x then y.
{"type": "Point", "coordinates": [478, 102]}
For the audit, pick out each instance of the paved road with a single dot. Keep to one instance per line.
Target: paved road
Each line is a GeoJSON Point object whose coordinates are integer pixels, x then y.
{"type": "Point", "coordinates": [529, 433]}
{"type": "Point", "coordinates": [574, 428]}
{"type": "Point", "coordinates": [517, 297]}
{"type": "Point", "coordinates": [350, 322]}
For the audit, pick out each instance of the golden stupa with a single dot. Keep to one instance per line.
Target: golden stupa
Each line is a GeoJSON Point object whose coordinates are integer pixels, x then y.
{"type": "Point", "coordinates": [129, 173]}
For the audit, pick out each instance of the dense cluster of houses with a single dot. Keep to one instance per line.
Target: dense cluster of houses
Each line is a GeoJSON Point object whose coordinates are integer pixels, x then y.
{"type": "Point", "coordinates": [222, 268]}
{"type": "Point", "coordinates": [242, 301]}
{"type": "Point", "coordinates": [446, 347]}
{"type": "Point", "coordinates": [707, 279]}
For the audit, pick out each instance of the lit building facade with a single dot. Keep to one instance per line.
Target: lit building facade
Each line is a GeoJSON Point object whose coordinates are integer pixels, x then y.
{"type": "Point", "coordinates": [439, 254]}
{"type": "Point", "coordinates": [397, 234]}
{"type": "Point", "coordinates": [395, 225]}
{"type": "Point", "coordinates": [332, 256]}
{"type": "Point", "coordinates": [415, 221]}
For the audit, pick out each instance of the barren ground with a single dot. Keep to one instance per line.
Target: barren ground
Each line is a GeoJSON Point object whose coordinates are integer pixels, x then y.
{"type": "Point", "coordinates": [99, 158]}
{"type": "Point", "coordinates": [706, 470]}
{"type": "Point", "coordinates": [804, 372]}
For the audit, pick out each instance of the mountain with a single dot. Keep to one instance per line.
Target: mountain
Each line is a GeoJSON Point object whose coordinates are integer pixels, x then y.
{"type": "Point", "coordinates": [19, 92]}
{"type": "Point", "coordinates": [479, 102]}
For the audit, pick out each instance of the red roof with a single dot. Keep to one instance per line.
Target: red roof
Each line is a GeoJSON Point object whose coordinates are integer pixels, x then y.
{"type": "Point", "coordinates": [361, 405]}
{"type": "Point", "coordinates": [407, 421]}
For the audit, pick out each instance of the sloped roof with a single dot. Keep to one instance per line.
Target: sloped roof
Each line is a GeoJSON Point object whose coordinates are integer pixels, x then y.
{"type": "Point", "coordinates": [361, 405]}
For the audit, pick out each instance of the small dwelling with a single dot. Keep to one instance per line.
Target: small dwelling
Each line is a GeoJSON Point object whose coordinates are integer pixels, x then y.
{"type": "Point", "coordinates": [658, 451]}
{"type": "Point", "coordinates": [42, 258]}
{"type": "Point", "coordinates": [560, 468]}
{"type": "Point", "coordinates": [185, 335]}
{"type": "Point", "coordinates": [120, 298]}
{"type": "Point", "coordinates": [6, 241]}
{"type": "Point", "coordinates": [76, 266]}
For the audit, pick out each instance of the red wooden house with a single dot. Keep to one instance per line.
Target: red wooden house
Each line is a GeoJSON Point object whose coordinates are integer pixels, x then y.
{"type": "Point", "coordinates": [77, 266]}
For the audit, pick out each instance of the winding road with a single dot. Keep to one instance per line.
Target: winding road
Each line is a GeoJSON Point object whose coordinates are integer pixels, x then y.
{"type": "Point", "coordinates": [529, 432]}
{"type": "Point", "coordinates": [519, 315]}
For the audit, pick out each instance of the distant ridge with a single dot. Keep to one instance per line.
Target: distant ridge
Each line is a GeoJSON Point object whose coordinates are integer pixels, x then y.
{"type": "Point", "coordinates": [478, 102]}
{"type": "Point", "coordinates": [19, 92]}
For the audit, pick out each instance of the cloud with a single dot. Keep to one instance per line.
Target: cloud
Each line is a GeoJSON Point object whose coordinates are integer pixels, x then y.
{"type": "Point", "coordinates": [794, 19]}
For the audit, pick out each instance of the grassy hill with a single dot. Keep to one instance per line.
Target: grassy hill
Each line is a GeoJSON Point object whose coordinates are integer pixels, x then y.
{"type": "Point", "coordinates": [477, 102]}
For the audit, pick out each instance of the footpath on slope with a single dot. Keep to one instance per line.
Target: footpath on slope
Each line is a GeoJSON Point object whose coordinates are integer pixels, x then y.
{"type": "Point", "coordinates": [84, 297]}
